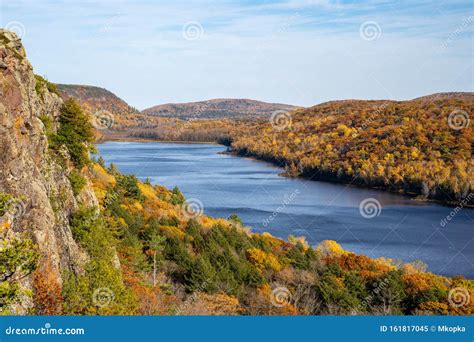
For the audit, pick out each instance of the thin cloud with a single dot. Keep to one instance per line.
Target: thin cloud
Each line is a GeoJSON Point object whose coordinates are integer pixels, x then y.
{"type": "Point", "coordinates": [295, 51]}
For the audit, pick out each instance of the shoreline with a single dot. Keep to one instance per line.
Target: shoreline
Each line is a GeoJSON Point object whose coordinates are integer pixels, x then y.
{"type": "Point", "coordinates": [412, 196]}
{"type": "Point", "coordinates": [144, 140]}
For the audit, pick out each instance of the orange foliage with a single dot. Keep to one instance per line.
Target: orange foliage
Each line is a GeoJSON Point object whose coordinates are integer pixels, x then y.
{"type": "Point", "coordinates": [151, 300]}
{"type": "Point", "coordinates": [212, 304]}
{"type": "Point", "coordinates": [48, 298]}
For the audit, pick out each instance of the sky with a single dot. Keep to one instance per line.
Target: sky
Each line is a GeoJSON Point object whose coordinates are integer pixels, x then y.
{"type": "Point", "coordinates": [300, 52]}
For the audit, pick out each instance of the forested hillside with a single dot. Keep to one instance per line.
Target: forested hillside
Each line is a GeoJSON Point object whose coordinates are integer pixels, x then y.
{"type": "Point", "coordinates": [80, 238]}
{"type": "Point", "coordinates": [218, 109]}
{"type": "Point", "coordinates": [421, 147]}
{"type": "Point", "coordinates": [95, 99]}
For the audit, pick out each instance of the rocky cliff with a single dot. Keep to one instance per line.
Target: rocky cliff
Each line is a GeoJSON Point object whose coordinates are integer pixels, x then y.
{"type": "Point", "coordinates": [28, 171]}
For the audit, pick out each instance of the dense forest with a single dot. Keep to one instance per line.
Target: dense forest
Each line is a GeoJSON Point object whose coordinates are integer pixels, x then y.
{"type": "Point", "coordinates": [151, 252]}
{"type": "Point", "coordinates": [421, 147]}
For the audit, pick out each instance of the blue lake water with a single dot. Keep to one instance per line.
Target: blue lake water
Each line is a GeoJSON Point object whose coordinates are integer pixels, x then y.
{"type": "Point", "coordinates": [400, 228]}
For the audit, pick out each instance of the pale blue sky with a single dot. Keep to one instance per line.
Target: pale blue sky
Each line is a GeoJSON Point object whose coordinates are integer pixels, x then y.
{"type": "Point", "coordinates": [295, 51]}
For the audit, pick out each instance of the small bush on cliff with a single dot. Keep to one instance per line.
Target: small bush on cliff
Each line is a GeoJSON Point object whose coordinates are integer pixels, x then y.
{"type": "Point", "coordinates": [18, 258]}
{"type": "Point", "coordinates": [77, 182]}
{"type": "Point", "coordinates": [75, 133]}
{"type": "Point", "coordinates": [42, 83]}
{"type": "Point", "coordinates": [5, 202]}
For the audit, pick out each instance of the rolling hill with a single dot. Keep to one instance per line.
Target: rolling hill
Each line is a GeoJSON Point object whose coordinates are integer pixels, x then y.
{"type": "Point", "coordinates": [94, 98]}
{"type": "Point", "coordinates": [422, 146]}
{"type": "Point", "coordinates": [219, 108]}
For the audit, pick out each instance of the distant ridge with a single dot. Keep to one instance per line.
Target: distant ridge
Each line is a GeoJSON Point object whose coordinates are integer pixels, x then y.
{"type": "Point", "coordinates": [447, 95]}
{"type": "Point", "coordinates": [95, 98]}
{"type": "Point", "coordinates": [219, 108]}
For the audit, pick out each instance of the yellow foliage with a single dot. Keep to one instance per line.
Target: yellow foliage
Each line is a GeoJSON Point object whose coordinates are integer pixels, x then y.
{"type": "Point", "coordinates": [301, 239]}
{"type": "Point", "coordinates": [432, 308]}
{"type": "Point", "coordinates": [263, 260]}
{"type": "Point", "coordinates": [171, 231]}
{"type": "Point", "coordinates": [329, 247]}
{"type": "Point", "coordinates": [147, 190]}
{"type": "Point", "coordinates": [101, 177]}
{"type": "Point", "coordinates": [4, 224]}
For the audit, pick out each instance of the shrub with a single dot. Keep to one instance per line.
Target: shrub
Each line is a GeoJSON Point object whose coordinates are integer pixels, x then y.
{"type": "Point", "coordinates": [235, 219]}
{"type": "Point", "coordinates": [42, 83]}
{"type": "Point", "coordinates": [48, 298]}
{"type": "Point", "coordinates": [77, 182]}
{"type": "Point", "coordinates": [128, 184]}
{"type": "Point", "coordinates": [75, 133]}
{"type": "Point", "coordinates": [5, 202]}
{"type": "Point", "coordinates": [99, 291]}
{"type": "Point", "coordinates": [18, 258]}
{"type": "Point", "coordinates": [177, 196]}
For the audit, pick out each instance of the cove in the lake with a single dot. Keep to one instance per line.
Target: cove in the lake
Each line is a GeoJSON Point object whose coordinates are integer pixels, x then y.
{"type": "Point", "coordinates": [403, 229]}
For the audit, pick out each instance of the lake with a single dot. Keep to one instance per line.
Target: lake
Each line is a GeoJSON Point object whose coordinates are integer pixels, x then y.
{"type": "Point", "coordinates": [366, 221]}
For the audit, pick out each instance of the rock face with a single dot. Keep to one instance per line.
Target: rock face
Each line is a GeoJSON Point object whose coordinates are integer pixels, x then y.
{"type": "Point", "coordinates": [28, 171]}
